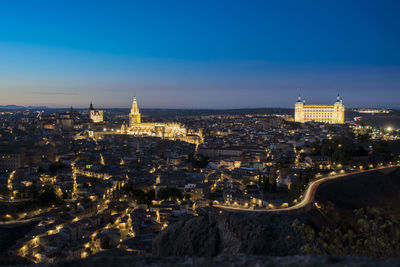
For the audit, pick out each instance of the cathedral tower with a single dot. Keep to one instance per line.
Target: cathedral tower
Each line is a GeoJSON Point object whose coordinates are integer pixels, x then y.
{"type": "Point", "coordinates": [134, 116]}
{"type": "Point", "coordinates": [95, 115]}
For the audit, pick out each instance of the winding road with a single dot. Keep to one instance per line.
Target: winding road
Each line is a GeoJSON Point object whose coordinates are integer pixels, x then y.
{"type": "Point", "coordinates": [309, 194]}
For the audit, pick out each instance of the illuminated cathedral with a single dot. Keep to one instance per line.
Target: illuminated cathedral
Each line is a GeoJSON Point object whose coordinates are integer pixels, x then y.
{"type": "Point", "coordinates": [169, 130]}
{"type": "Point", "coordinates": [159, 129]}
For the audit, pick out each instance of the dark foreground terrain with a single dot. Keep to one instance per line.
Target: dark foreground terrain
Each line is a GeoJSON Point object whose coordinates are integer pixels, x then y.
{"type": "Point", "coordinates": [225, 260]}
{"type": "Point", "coordinates": [273, 234]}
{"type": "Point", "coordinates": [372, 189]}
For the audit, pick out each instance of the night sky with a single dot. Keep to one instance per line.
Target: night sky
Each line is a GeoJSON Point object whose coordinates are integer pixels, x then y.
{"type": "Point", "coordinates": [199, 54]}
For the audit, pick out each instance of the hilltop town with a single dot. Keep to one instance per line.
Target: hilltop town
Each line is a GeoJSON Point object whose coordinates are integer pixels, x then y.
{"type": "Point", "coordinates": [95, 182]}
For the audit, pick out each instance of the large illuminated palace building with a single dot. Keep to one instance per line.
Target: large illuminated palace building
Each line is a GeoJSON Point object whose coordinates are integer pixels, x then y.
{"type": "Point", "coordinates": [333, 114]}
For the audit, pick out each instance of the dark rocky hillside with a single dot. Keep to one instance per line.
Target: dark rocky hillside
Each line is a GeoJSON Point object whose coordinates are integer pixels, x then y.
{"type": "Point", "coordinates": [374, 189]}
{"type": "Point", "coordinates": [273, 234]}
{"type": "Point", "coordinates": [229, 233]}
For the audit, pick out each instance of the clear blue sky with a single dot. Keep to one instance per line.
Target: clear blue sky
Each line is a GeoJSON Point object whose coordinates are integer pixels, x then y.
{"type": "Point", "coordinates": [199, 54]}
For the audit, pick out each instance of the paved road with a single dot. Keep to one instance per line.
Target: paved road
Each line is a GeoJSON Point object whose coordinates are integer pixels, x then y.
{"type": "Point", "coordinates": [35, 216]}
{"type": "Point", "coordinates": [309, 194]}
{"type": "Point", "coordinates": [22, 221]}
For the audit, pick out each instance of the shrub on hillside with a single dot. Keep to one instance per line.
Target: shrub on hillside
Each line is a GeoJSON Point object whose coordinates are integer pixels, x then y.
{"type": "Point", "coordinates": [368, 233]}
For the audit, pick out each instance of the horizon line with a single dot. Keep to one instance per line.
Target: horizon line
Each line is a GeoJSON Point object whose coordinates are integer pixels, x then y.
{"type": "Point", "coordinates": [18, 107]}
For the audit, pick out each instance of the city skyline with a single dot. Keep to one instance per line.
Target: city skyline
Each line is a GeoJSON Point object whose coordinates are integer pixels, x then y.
{"type": "Point", "coordinates": [199, 133]}
{"type": "Point", "coordinates": [223, 55]}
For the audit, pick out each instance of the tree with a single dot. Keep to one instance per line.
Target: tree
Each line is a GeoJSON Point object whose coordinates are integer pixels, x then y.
{"type": "Point", "coordinates": [213, 195]}
{"type": "Point", "coordinates": [64, 195]}
{"type": "Point", "coordinates": [48, 196]}
{"type": "Point", "coordinates": [169, 193]}
{"type": "Point", "coordinates": [32, 191]}
{"type": "Point", "coordinates": [340, 149]}
{"type": "Point", "coordinates": [150, 196]}
{"type": "Point", "coordinates": [57, 166]}
{"type": "Point", "coordinates": [138, 195]}
{"type": "Point", "coordinates": [5, 192]}
{"type": "Point", "coordinates": [273, 186]}
{"type": "Point", "coordinates": [363, 138]}
{"type": "Point", "coordinates": [297, 188]}
{"type": "Point", "coordinates": [186, 196]}
{"type": "Point", "coordinates": [198, 161]}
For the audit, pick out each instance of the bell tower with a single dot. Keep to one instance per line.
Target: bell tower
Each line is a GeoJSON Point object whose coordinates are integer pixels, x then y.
{"type": "Point", "coordinates": [95, 115]}
{"type": "Point", "coordinates": [134, 116]}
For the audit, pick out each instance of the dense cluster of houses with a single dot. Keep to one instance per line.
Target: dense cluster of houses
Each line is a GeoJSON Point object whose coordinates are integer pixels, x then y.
{"type": "Point", "coordinates": [239, 158]}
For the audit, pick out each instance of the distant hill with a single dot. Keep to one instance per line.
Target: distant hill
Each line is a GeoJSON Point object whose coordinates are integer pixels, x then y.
{"type": "Point", "coordinates": [207, 112]}
{"type": "Point", "coordinates": [22, 107]}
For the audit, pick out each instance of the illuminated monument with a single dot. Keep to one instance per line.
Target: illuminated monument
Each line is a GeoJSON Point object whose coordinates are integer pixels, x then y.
{"type": "Point", "coordinates": [170, 130]}
{"type": "Point", "coordinates": [95, 115]}
{"type": "Point", "coordinates": [333, 114]}
{"type": "Point", "coordinates": [159, 129]}
{"type": "Point", "coordinates": [134, 116]}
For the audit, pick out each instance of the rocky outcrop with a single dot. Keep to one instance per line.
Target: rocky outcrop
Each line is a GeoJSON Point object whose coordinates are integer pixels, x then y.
{"type": "Point", "coordinates": [229, 233]}
{"type": "Point", "coordinates": [199, 236]}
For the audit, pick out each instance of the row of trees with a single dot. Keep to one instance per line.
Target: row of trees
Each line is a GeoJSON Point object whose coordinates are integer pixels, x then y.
{"type": "Point", "coordinates": [143, 197]}
{"type": "Point", "coordinates": [169, 194]}
{"type": "Point", "coordinates": [340, 150]}
{"type": "Point", "coordinates": [268, 183]}
{"type": "Point", "coordinates": [44, 195]}
{"type": "Point", "coordinates": [298, 186]}
{"type": "Point", "coordinates": [140, 196]}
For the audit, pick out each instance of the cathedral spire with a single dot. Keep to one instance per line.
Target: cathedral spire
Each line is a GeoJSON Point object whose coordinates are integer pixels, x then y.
{"type": "Point", "coordinates": [134, 116]}
{"type": "Point", "coordinates": [134, 108]}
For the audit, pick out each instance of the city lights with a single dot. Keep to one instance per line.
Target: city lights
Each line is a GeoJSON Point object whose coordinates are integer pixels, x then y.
{"type": "Point", "coordinates": [168, 133]}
